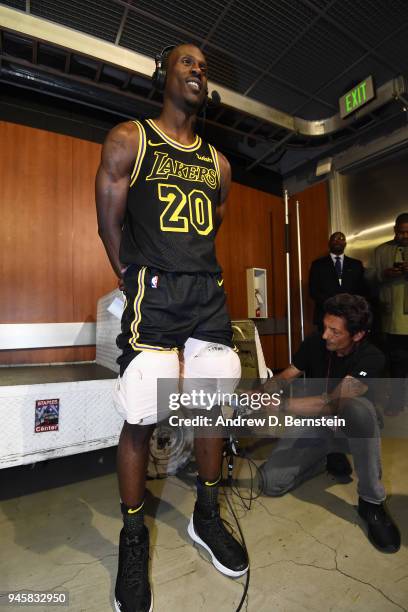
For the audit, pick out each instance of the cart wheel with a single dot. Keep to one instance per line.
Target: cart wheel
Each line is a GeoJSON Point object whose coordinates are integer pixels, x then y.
{"type": "Point", "coordinates": [170, 449]}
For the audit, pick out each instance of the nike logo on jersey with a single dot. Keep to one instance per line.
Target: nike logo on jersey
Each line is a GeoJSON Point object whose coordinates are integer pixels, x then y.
{"type": "Point", "coordinates": [220, 282]}
{"type": "Point", "coordinates": [155, 144]}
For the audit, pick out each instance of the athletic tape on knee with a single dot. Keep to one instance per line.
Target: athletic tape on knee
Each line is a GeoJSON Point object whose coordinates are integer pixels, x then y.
{"type": "Point", "coordinates": [210, 360]}
{"type": "Point", "coordinates": [135, 394]}
{"type": "Point", "coordinates": [210, 367]}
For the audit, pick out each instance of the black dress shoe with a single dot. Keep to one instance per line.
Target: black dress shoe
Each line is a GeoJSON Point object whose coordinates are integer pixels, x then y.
{"type": "Point", "coordinates": [339, 466]}
{"type": "Point", "coordinates": [381, 529]}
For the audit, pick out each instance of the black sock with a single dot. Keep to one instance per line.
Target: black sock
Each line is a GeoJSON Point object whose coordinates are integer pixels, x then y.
{"type": "Point", "coordinates": [207, 495]}
{"type": "Point", "coordinates": [133, 518]}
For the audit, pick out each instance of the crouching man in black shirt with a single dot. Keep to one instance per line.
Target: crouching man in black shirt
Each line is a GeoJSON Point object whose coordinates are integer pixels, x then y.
{"type": "Point", "coordinates": [343, 362]}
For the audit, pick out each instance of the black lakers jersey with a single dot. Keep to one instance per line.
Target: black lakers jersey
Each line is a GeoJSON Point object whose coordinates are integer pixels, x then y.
{"type": "Point", "coordinates": [173, 194]}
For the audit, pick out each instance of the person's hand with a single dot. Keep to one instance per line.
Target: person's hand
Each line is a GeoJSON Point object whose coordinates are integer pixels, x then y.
{"type": "Point", "coordinates": [121, 282]}
{"type": "Point", "coordinates": [394, 272]}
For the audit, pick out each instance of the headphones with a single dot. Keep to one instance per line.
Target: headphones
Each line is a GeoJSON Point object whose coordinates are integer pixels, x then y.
{"type": "Point", "coordinates": [160, 73]}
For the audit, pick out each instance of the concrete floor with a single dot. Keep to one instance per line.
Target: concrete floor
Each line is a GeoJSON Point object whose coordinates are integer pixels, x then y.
{"type": "Point", "coordinates": [308, 550]}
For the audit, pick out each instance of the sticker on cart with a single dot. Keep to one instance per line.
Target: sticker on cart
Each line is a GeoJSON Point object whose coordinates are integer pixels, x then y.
{"type": "Point", "coordinates": [46, 415]}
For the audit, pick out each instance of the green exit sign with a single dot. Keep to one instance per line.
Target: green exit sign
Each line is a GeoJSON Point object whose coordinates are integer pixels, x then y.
{"type": "Point", "coordinates": [357, 97]}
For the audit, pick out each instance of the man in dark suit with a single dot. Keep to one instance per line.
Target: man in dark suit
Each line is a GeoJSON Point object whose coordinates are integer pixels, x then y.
{"type": "Point", "coordinates": [333, 274]}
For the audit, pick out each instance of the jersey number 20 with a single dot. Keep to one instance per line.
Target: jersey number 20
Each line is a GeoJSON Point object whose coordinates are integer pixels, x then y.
{"type": "Point", "coordinates": [199, 211]}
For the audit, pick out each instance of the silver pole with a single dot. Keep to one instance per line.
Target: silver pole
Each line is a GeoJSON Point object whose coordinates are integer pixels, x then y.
{"type": "Point", "coordinates": [302, 327]}
{"type": "Point", "coordinates": [288, 274]}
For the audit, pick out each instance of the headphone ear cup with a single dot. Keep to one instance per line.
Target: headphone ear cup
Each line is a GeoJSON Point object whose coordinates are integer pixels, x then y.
{"type": "Point", "coordinates": [160, 73]}
{"type": "Point", "coordinates": [154, 79]}
{"type": "Point", "coordinates": [159, 79]}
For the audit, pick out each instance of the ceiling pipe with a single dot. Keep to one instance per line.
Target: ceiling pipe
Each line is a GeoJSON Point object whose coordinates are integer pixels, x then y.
{"type": "Point", "coordinates": [74, 41]}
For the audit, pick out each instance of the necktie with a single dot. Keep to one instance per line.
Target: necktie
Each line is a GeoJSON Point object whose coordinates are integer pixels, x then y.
{"type": "Point", "coordinates": [337, 267]}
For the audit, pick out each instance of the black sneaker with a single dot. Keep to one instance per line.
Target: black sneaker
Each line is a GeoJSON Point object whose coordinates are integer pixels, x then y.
{"type": "Point", "coordinates": [382, 531]}
{"type": "Point", "coordinates": [132, 590]}
{"type": "Point", "coordinates": [227, 555]}
{"type": "Point", "coordinates": [339, 466]}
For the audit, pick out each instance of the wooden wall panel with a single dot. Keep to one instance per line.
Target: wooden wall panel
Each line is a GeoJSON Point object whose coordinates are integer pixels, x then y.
{"type": "Point", "coordinates": [252, 236]}
{"type": "Point", "coordinates": [314, 229]}
{"type": "Point", "coordinates": [36, 225]}
{"type": "Point", "coordinates": [48, 355]}
{"type": "Point", "coordinates": [92, 273]}
{"type": "Point", "coordinates": [53, 266]}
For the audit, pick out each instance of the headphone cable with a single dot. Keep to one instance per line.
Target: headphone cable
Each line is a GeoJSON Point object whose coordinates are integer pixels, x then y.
{"type": "Point", "coordinates": [231, 450]}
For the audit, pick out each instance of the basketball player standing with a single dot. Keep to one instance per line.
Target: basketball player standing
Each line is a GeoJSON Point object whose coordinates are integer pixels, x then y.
{"type": "Point", "coordinates": [160, 193]}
